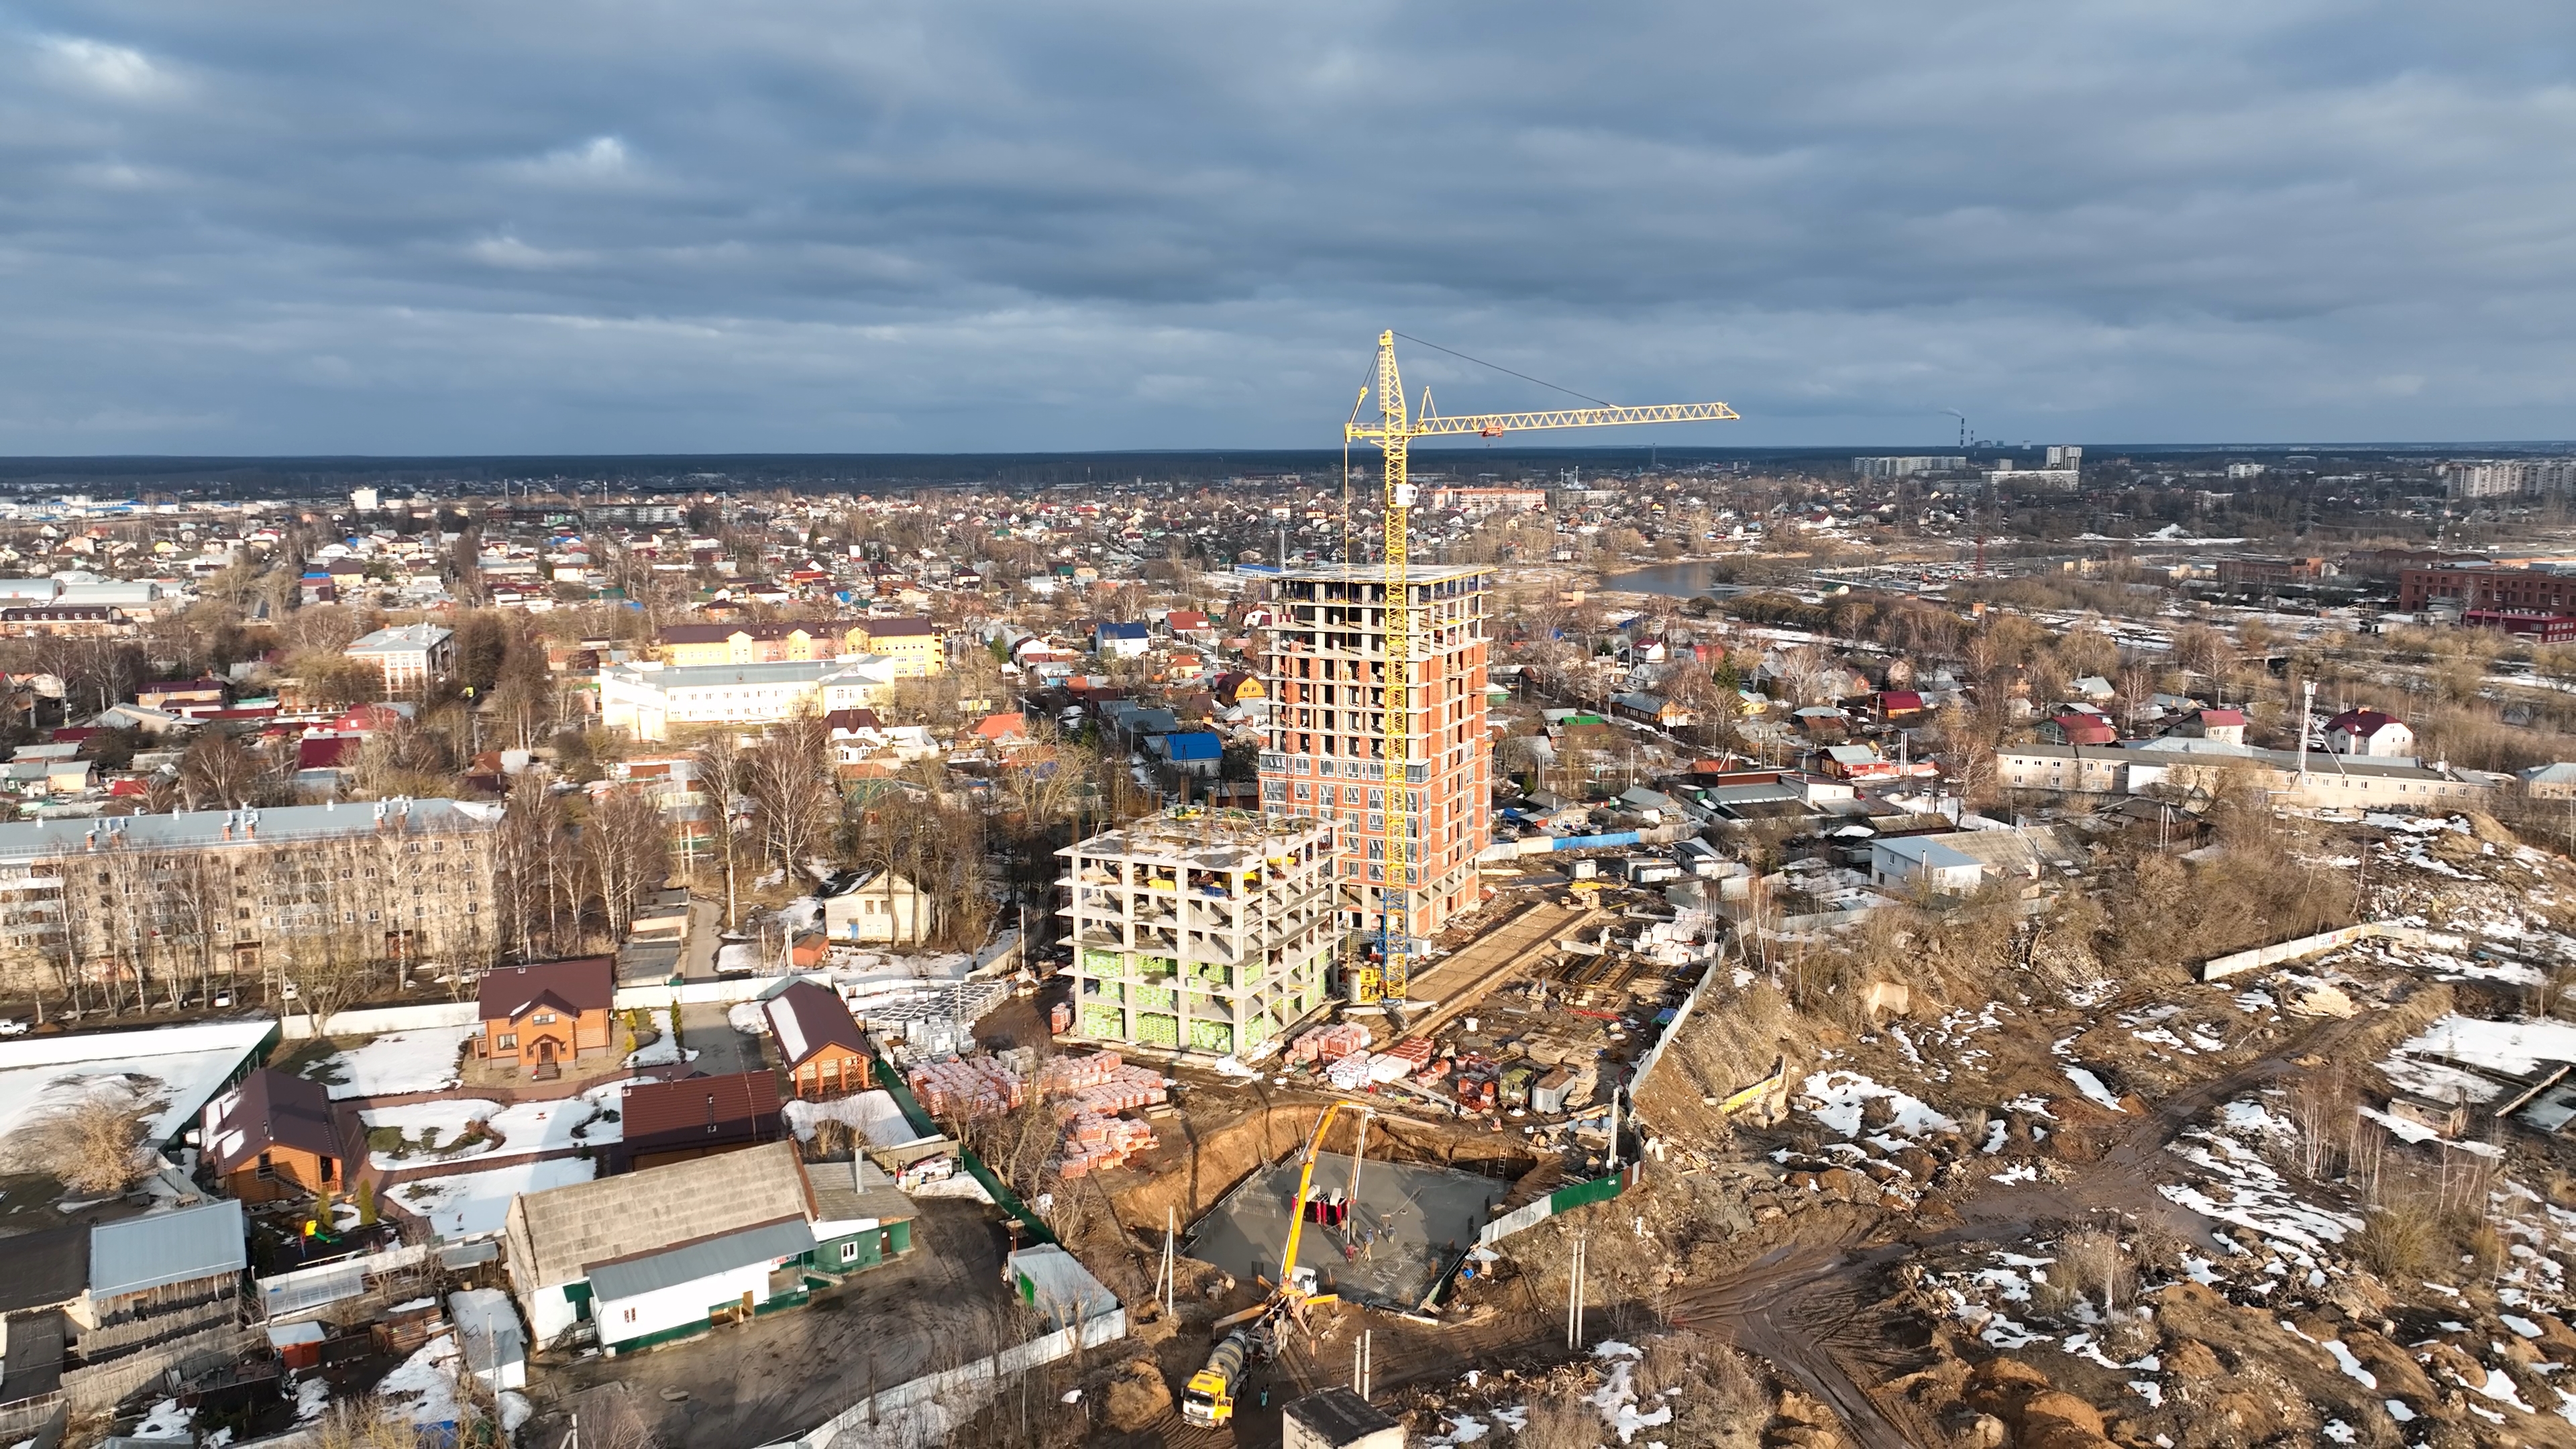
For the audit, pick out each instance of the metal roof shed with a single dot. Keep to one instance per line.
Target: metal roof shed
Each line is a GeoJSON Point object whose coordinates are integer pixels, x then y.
{"type": "Point", "coordinates": [160, 1249]}
{"type": "Point", "coordinates": [1336, 1418]}
{"type": "Point", "coordinates": [488, 1332]}
{"type": "Point", "coordinates": [633, 1277]}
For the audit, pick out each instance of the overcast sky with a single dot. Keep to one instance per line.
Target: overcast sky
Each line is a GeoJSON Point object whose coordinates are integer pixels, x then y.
{"type": "Point", "coordinates": [255, 227]}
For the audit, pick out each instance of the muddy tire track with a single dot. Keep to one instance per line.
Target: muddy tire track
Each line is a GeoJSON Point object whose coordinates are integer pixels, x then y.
{"type": "Point", "coordinates": [1813, 1308]}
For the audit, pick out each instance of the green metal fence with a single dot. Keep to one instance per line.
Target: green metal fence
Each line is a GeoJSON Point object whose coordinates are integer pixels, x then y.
{"type": "Point", "coordinates": [921, 1122]}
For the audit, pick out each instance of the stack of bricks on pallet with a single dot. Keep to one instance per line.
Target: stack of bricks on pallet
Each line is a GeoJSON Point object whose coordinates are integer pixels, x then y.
{"type": "Point", "coordinates": [1476, 1077]}
{"type": "Point", "coordinates": [976, 1087]}
{"type": "Point", "coordinates": [1096, 1139]}
{"type": "Point", "coordinates": [1097, 1088]}
{"type": "Point", "coordinates": [1100, 1082]}
{"type": "Point", "coordinates": [1328, 1043]}
{"type": "Point", "coordinates": [1406, 1057]}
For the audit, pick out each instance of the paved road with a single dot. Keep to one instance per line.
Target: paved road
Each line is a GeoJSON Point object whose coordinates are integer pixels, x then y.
{"type": "Point", "coordinates": [698, 954]}
{"type": "Point", "coordinates": [722, 1051]}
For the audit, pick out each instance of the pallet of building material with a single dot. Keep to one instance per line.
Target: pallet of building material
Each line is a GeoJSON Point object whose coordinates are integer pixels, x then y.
{"type": "Point", "coordinates": [1328, 1043]}
{"type": "Point", "coordinates": [972, 1087]}
{"type": "Point", "coordinates": [1388, 1067]}
{"type": "Point", "coordinates": [1414, 1049]}
{"type": "Point", "coordinates": [1349, 1072]}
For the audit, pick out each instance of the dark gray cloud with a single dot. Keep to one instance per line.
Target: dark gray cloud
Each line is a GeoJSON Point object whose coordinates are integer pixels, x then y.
{"type": "Point", "coordinates": [635, 226]}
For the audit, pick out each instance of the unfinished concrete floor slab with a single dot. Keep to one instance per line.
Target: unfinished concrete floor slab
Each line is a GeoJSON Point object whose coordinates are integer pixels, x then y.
{"type": "Point", "coordinates": [1410, 1225]}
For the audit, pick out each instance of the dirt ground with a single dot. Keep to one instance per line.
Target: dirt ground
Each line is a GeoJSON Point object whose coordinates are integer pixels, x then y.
{"type": "Point", "coordinates": [753, 1384]}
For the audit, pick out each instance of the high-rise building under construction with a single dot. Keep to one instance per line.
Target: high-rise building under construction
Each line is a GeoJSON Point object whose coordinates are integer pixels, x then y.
{"type": "Point", "coordinates": [1328, 734]}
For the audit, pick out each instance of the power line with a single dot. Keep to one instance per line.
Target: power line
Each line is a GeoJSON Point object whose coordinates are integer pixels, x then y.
{"type": "Point", "coordinates": [1498, 367]}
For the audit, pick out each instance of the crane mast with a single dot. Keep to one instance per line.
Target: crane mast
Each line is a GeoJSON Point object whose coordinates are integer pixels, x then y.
{"type": "Point", "coordinates": [1393, 433]}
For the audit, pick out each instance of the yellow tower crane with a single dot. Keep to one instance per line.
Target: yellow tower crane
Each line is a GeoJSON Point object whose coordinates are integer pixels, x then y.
{"type": "Point", "coordinates": [1393, 433]}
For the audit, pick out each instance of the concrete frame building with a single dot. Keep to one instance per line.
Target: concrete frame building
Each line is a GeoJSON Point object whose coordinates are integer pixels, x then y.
{"type": "Point", "coordinates": [1327, 731]}
{"type": "Point", "coordinates": [1200, 930]}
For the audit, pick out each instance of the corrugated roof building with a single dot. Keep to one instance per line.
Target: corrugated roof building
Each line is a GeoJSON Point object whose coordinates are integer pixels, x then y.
{"type": "Point", "coordinates": [554, 1241]}
{"type": "Point", "coordinates": [192, 1255]}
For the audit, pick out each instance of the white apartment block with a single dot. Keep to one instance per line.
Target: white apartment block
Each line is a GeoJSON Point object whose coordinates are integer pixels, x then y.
{"type": "Point", "coordinates": [2509, 477]}
{"type": "Point", "coordinates": [648, 699]}
{"type": "Point", "coordinates": [409, 656]}
{"type": "Point", "coordinates": [2185, 767]}
{"type": "Point", "coordinates": [1908, 465]}
{"type": "Point", "coordinates": [1200, 930]}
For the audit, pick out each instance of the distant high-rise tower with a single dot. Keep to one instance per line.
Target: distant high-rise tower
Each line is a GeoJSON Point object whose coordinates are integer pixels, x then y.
{"type": "Point", "coordinates": [2065, 457]}
{"type": "Point", "coordinates": [1328, 731]}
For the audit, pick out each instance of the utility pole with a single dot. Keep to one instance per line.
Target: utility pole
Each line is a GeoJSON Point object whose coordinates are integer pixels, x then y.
{"type": "Point", "coordinates": [2307, 709]}
{"type": "Point", "coordinates": [1574, 1295]}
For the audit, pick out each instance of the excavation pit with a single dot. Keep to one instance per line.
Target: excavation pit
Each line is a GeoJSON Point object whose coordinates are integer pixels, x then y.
{"type": "Point", "coordinates": [1411, 1226]}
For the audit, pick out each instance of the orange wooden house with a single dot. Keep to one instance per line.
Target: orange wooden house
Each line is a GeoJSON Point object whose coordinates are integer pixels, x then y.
{"type": "Point", "coordinates": [549, 1013]}
{"type": "Point", "coordinates": [819, 1042]}
{"type": "Point", "coordinates": [275, 1138]}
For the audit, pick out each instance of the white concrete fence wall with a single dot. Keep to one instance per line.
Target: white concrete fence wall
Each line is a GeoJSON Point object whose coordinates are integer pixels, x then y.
{"type": "Point", "coordinates": [2238, 962]}
{"type": "Point", "coordinates": [878, 1421]}
{"type": "Point", "coordinates": [376, 1020]}
{"type": "Point", "coordinates": [1681, 1018]}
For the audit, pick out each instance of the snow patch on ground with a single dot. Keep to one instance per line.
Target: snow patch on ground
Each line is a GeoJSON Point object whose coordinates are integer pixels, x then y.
{"type": "Point", "coordinates": [1837, 1098]}
{"type": "Point", "coordinates": [2514, 1048]}
{"type": "Point", "coordinates": [422, 1388]}
{"type": "Point", "coordinates": [474, 1204]}
{"type": "Point", "coordinates": [2093, 1089]}
{"type": "Point", "coordinates": [521, 1129]}
{"type": "Point", "coordinates": [872, 1114]}
{"type": "Point", "coordinates": [403, 1061]}
{"type": "Point", "coordinates": [2240, 1187]}
{"type": "Point", "coordinates": [664, 1049]}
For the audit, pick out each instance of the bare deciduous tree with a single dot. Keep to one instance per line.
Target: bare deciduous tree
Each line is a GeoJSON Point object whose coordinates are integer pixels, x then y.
{"type": "Point", "coordinates": [629, 848]}
{"type": "Point", "coordinates": [93, 1145]}
{"type": "Point", "coordinates": [788, 777]}
{"type": "Point", "coordinates": [216, 773]}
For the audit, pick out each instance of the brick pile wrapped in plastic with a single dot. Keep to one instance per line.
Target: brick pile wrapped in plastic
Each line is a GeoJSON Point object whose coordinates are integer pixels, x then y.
{"type": "Point", "coordinates": [1095, 1089]}
{"type": "Point", "coordinates": [1094, 1140]}
{"type": "Point", "coordinates": [1349, 1073]}
{"type": "Point", "coordinates": [1328, 1044]}
{"type": "Point", "coordinates": [966, 1087]}
{"type": "Point", "coordinates": [1100, 1083]}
